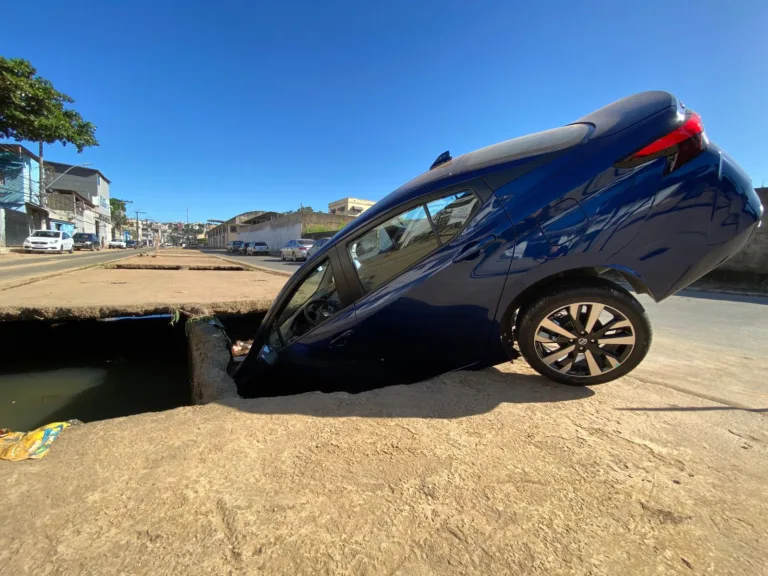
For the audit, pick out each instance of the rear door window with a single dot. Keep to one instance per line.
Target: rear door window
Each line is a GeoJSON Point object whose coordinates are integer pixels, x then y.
{"type": "Point", "coordinates": [450, 213]}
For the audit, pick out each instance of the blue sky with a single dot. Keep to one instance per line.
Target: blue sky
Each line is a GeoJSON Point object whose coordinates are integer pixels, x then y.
{"type": "Point", "coordinates": [223, 107]}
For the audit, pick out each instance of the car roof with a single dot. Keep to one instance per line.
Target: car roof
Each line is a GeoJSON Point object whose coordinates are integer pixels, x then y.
{"type": "Point", "coordinates": [499, 156]}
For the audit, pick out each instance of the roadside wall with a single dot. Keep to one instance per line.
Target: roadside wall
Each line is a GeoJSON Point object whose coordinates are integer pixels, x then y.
{"type": "Point", "coordinates": [276, 233]}
{"type": "Point", "coordinates": [754, 257]}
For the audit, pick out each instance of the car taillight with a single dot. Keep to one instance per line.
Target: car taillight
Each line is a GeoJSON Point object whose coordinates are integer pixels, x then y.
{"type": "Point", "coordinates": [679, 146]}
{"type": "Point", "coordinates": [302, 247]}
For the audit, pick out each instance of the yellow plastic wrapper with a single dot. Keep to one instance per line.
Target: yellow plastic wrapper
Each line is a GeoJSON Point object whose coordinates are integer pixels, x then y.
{"type": "Point", "coordinates": [17, 446]}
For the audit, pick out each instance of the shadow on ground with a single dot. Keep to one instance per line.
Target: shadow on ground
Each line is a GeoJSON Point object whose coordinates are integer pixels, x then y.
{"type": "Point", "coordinates": [454, 395]}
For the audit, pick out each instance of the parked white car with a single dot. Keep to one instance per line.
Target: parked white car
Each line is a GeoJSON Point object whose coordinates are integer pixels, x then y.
{"type": "Point", "coordinates": [117, 243]}
{"type": "Point", "coordinates": [49, 241]}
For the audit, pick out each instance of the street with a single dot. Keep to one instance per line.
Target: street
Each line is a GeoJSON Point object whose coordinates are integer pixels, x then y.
{"type": "Point", "coordinates": [273, 262]}
{"type": "Point", "coordinates": [17, 267]}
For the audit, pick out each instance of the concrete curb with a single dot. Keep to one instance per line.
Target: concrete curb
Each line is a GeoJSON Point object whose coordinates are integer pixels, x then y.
{"type": "Point", "coordinates": [209, 356]}
{"type": "Point", "coordinates": [33, 279]}
{"type": "Point", "coordinates": [252, 266]}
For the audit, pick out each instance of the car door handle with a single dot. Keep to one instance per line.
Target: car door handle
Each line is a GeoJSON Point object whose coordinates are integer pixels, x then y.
{"type": "Point", "coordinates": [341, 340]}
{"type": "Point", "coordinates": [473, 249]}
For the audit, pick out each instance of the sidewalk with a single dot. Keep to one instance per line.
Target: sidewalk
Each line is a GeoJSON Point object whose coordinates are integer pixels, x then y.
{"type": "Point", "coordinates": [103, 291]}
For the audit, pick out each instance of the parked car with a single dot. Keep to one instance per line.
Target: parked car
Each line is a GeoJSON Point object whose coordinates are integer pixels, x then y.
{"type": "Point", "coordinates": [296, 249]}
{"type": "Point", "coordinates": [117, 243]}
{"type": "Point", "coordinates": [258, 249]}
{"type": "Point", "coordinates": [319, 243]}
{"type": "Point", "coordinates": [501, 252]}
{"type": "Point", "coordinates": [131, 244]}
{"type": "Point", "coordinates": [234, 246]}
{"type": "Point", "coordinates": [49, 241]}
{"type": "Point", "coordinates": [86, 241]}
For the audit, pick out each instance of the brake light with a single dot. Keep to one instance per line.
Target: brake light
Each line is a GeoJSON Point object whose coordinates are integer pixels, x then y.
{"type": "Point", "coordinates": [679, 146]}
{"type": "Point", "coordinates": [302, 247]}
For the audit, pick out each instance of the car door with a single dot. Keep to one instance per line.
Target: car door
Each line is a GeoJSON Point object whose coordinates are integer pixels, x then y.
{"type": "Point", "coordinates": [302, 342]}
{"type": "Point", "coordinates": [429, 278]}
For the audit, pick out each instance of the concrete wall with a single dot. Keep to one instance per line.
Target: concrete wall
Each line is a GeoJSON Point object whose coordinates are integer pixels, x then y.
{"type": "Point", "coordinates": [754, 257]}
{"type": "Point", "coordinates": [276, 233]}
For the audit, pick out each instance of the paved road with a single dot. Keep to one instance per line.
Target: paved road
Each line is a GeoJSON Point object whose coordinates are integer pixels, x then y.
{"type": "Point", "coordinates": [31, 265]}
{"type": "Point", "coordinates": [266, 261]}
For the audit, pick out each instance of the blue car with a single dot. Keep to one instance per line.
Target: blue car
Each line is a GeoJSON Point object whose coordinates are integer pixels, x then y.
{"type": "Point", "coordinates": [512, 249]}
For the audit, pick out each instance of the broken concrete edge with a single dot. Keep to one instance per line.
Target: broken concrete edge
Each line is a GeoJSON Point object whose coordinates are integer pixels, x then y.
{"type": "Point", "coordinates": [32, 279]}
{"type": "Point", "coordinates": [209, 357]}
{"type": "Point", "coordinates": [198, 267]}
{"type": "Point", "coordinates": [252, 266]}
{"type": "Point", "coordinates": [188, 309]}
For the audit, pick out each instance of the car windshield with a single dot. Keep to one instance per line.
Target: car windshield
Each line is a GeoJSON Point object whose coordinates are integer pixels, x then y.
{"type": "Point", "coordinates": [47, 234]}
{"type": "Point", "coordinates": [238, 243]}
{"type": "Point", "coordinates": [259, 243]}
{"type": "Point", "coordinates": [82, 236]}
{"type": "Point", "coordinates": [306, 242]}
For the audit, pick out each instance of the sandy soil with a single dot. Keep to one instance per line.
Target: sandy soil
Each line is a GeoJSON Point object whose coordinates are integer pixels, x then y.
{"type": "Point", "coordinates": [99, 291]}
{"type": "Point", "coordinates": [494, 472]}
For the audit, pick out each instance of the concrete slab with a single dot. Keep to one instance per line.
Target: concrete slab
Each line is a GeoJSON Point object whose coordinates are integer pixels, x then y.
{"type": "Point", "coordinates": [99, 292]}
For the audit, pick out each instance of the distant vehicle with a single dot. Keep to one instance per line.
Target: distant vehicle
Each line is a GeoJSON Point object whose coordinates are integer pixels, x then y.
{"type": "Point", "coordinates": [244, 248]}
{"type": "Point", "coordinates": [49, 241]}
{"type": "Point", "coordinates": [319, 243]}
{"type": "Point", "coordinates": [258, 249]}
{"type": "Point", "coordinates": [86, 241]}
{"type": "Point", "coordinates": [296, 249]}
{"type": "Point", "coordinates": [234, 246]}
{"type": "Point", "coordinates": [499, 252]}
{"type": "Point", "coordinates": [131, 244]}
{"type": "Point", "coordinates": [117, 243]}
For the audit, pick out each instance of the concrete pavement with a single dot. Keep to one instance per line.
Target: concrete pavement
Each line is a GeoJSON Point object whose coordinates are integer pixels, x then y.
{"type": "Point", "coordinates": [28, 266]}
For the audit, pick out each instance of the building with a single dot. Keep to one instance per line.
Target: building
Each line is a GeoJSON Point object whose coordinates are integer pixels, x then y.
{"type": "Point", "coordinates": [70, 212]}
{"type": "Point", "coordinates": [87, 183]}
{"type": "Point", "coordinates": [349, 206]}
{"type": "Point", "coordinates": [220, 235]}
{"type": "Point", "coordinates": [22, 206]}
{"type": "Point", "coordinates": [277, 229]}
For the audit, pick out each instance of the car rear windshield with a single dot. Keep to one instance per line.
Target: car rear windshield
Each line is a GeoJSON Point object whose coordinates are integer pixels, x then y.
{"type": "Point", "coordinates": [47, 234]}
{"type": "Point", "coordinates": [237, 243]}
{"type": "Point", "coordinates": [259, 243]}
{"type": "Point", "coordinates": [82, 236]}
{"type": "Point", "coordinates": [306, 242]}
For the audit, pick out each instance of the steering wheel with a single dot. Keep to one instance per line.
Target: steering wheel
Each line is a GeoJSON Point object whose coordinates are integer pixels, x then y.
{"type": "Point", "coordinates": [317, 310]}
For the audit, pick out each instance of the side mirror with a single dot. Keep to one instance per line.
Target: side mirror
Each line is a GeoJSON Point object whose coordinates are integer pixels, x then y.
{"type": "Point", "coordinates": [268, 355]}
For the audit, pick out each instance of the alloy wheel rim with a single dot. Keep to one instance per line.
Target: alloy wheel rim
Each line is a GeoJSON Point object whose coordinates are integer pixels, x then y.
{"type": "Point", "coordinates": [584, 339]}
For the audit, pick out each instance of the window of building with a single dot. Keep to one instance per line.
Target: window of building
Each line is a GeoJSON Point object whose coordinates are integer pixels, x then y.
{"type": "Point", "coordinates": [98, 180]}
{"type": "Point", "coordinates": [233, 229]}
{"type": "Point", "coordinates": [388, 249]}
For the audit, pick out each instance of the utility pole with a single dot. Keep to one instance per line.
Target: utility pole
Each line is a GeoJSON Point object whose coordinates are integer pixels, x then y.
{"type": "Point", "coordinates": [41, 173]}
{"type": "Point", "coordinates": [138, 231]}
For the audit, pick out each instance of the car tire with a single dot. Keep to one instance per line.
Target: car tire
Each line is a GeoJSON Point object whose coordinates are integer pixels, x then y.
{"type": "Point", "coordinates": [582, 360]}
{"type": "Point", "coordinates": [72, 250]}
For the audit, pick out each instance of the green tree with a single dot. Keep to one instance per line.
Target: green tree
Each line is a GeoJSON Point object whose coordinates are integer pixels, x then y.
{"type": "Point", "coordinates": [32, 109]}
{"type": "Point", "coordinates": [117, 207]}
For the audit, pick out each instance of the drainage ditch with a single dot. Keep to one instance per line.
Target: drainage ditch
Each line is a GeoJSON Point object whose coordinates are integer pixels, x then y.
{"type": "Point", "coordinates": [90, 370]}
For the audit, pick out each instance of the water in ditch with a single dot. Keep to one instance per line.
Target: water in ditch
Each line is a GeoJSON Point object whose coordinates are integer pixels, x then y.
{"type": "Point", "coordinates": [90, 370]}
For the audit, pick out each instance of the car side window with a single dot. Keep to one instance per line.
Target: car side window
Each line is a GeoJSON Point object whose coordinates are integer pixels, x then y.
{"type": "Point", "coordinates": [450, 213]}
{"type": "Point", "coordinates": [389, 248]}
{"type": "Point", "coordinates": [314, 301]}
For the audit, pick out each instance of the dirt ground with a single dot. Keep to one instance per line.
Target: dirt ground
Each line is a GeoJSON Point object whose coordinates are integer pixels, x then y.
{"type": "Point", "coordinates": [493, 472]}
{"type": "Point", "coordinates": [102, 292]}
